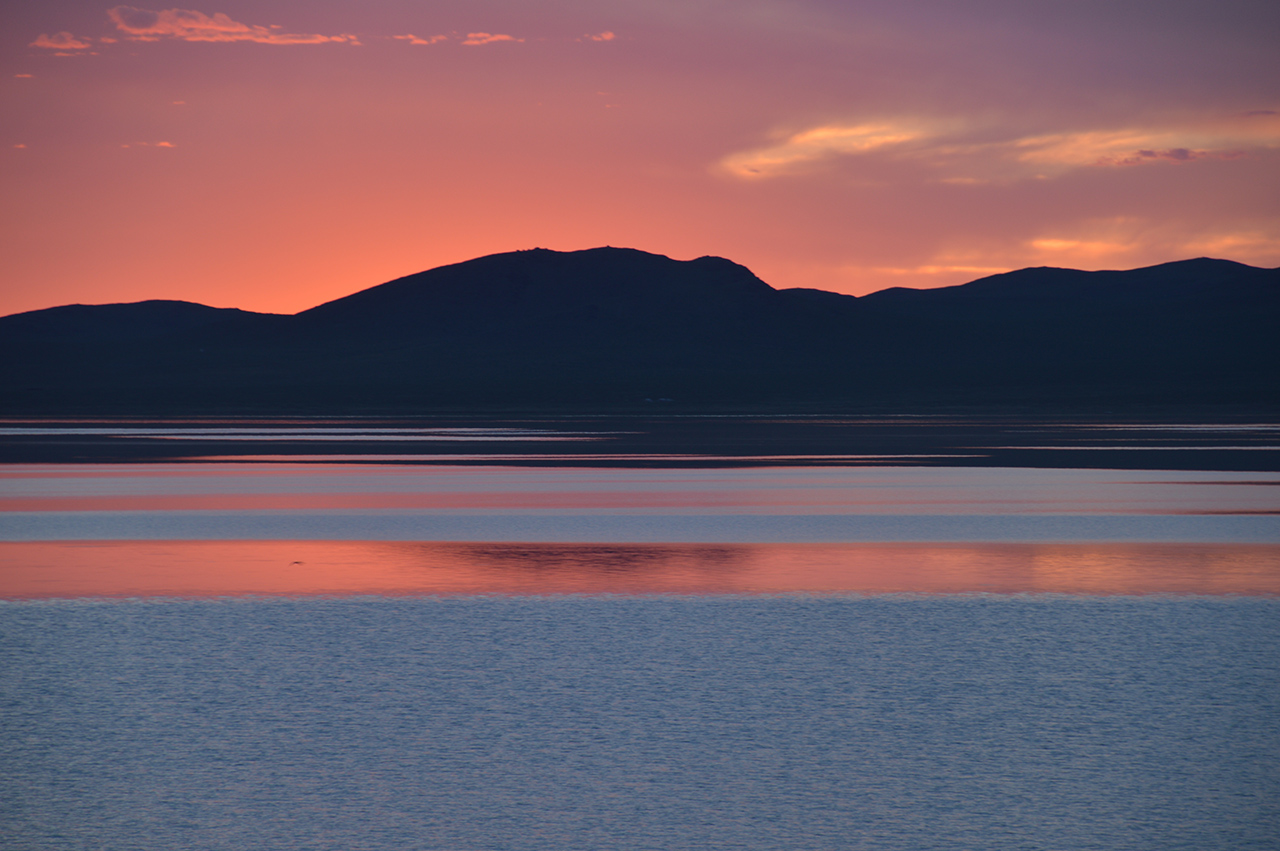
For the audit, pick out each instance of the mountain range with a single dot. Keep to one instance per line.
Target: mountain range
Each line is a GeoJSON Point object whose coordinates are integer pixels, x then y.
{"type": "Point", "coordinates": [616, 328]}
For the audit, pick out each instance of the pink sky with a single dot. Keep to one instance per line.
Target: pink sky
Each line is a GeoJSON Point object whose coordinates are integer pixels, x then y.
{"type": "Point", "coordinates": [275, 155]}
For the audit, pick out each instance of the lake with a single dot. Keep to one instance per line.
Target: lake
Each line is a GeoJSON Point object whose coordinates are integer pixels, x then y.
{"type": "Point", "coordinates": [589, 635]}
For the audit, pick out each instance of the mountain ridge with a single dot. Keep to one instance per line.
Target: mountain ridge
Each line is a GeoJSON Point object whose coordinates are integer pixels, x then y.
{"type": "Point", "coordinates": [1198, 263]}
{"type": "Point", "coordinates": [610, 327]}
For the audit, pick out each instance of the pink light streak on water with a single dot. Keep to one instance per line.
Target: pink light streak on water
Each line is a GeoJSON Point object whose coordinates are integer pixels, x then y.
{"type": "Point", "coordinates": [123, 569]}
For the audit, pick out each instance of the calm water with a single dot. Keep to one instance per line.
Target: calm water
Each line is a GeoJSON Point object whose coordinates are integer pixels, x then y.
{"type": "Point", "coordinates": [492, 650]}
{"type": "Point", "coordinates": [200, 529]}
{"type": "Point", "coordinates": [327, 501]}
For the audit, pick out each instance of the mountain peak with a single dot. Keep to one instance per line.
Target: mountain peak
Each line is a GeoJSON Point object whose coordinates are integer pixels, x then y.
{"type": "Point", "coordinates": [607, 279]}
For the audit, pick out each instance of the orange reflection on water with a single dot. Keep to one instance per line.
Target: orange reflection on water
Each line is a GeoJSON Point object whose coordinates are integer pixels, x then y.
{"type": "Point", "coordinates": [68, 569]}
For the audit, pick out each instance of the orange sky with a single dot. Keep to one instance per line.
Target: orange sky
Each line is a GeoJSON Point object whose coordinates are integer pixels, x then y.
{"type": "Point", "coordinates": [275, 155]}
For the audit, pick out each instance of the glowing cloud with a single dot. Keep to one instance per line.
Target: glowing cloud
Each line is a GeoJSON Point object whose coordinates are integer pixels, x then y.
{"type": "Point", "coordinates": [818, 144]}
{"type": "Point", "coordinates": [978, 271]}
{"type": "Point", "coordinates": [61, 41]}
{"type": "Point", "coordinates": [604, 36]}
{"type": "Point", "coordinates": [962, 160]}
{"type": "Point", "coordinates": [1124, 148]}
{"type": "Point", "coordinates": [488, 38]}
{"type": "Point", "coordinates": [1120, 241]}
{"type": "Point", "coordinates": [1080, 249]}
{"type": "Point", "coordinates": [413, 39]}
{"type": "Point", "coordinates": [188, 25]}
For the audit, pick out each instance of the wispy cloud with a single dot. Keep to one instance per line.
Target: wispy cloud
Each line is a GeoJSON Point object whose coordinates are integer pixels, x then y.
{"type": "Point", "coordinates": [818, 144]}
{"type": "Point", "coordinates": [1120, 241]}
{"type": "Point", "coordinates": [933, 269]}
{"type": "Point", "coordinates": [1107, 242]}
{"type": "Point", "coordinates": [1079, 251]}
{"type": "Point", "coordinates": [413, 39]}
{"type": "Point", "coordinates": [480, 38]}
{"type": "Point", "coordinates": [1104, 242]}
{"type": "Point", "coordinates": [61, 41]}
{"type": "Point", "coordinates": [474, 39]}
{"type": "Point", "coordinates": [188, 25]}
{"type": "Point", "coordinates": [973, 155]}
{"type": "Point", "coordinates": [1122, 147]}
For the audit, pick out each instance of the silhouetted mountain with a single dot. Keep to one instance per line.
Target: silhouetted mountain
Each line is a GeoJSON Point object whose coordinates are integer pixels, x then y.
{"type": "Point", "coordinates": [81, 323]}
{"type": "Point", "coordinates": [612, 327]}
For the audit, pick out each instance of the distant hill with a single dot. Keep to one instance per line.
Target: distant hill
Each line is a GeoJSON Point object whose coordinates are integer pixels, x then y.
{"type": "Point", "coordinates": [610, 328]}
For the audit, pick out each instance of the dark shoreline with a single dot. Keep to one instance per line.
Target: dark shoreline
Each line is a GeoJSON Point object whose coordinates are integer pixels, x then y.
{"type": "Point", "coordinates": [1234, 439]}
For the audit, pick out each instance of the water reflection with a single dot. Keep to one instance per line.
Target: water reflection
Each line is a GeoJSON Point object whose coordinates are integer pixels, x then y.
{"type": "Point", "coordinates": [667, 440]}
{"type": "Point", "coordinates": [762, 490]}
{"type": "Point", "coordinates": [67, 569]}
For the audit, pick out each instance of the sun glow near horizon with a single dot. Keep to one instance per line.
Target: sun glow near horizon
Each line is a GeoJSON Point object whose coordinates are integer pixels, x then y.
{"type": "Point", "coordinates": [276, 158]}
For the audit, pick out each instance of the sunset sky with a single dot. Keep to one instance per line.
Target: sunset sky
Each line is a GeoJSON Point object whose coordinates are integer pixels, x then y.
{"type": "Point", "coordinates": [275, 155]}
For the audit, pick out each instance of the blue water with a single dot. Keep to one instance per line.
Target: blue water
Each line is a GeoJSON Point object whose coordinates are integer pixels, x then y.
{"type": "Point", "coordinates": [386, 525]}
{"type": "Point", "coordinates": [966, 722]}
{"type": "Point", "coordinates": [559, 504]}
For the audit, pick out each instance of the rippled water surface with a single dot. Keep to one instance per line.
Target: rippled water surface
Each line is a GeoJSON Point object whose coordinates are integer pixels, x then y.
{"type": "Point", "coordinates": [650, 723]}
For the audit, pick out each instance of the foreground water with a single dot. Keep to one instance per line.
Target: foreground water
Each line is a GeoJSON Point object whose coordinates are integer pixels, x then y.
{"type": "Point", "coordinates": [1041, 722]}
{"type": "Point", "coordinates": [349, 636]}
